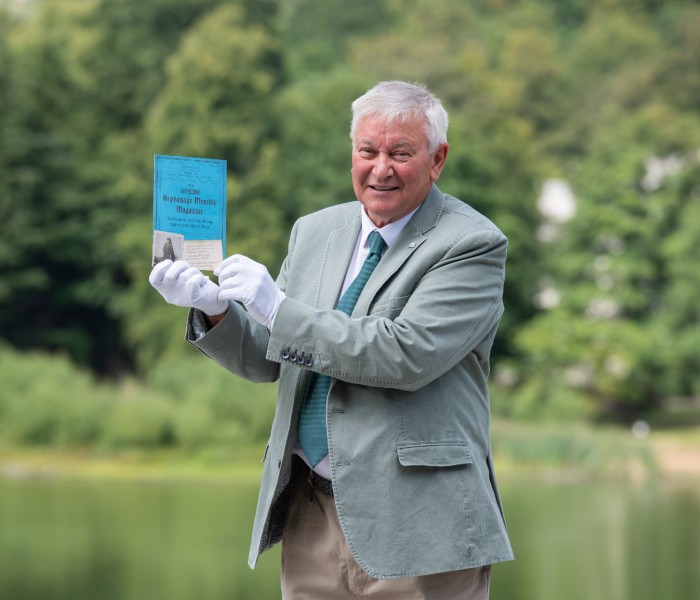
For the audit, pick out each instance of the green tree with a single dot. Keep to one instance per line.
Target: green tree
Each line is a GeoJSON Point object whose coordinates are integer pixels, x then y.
{"type": "Point", "coordinates": [679, 80]}
{"type": "Point", "coordinates": [315, 148]}
{"type": "Point", "coordinates": [603, 94]}
{"type": "Point", "coordinates": [315, 35]}
{"type": "Point", "coordinates": [617, 269]}
{"type": "Point", "coordinates": [216, 101]}
{"type": "Point", "coordinates": [80, 74]}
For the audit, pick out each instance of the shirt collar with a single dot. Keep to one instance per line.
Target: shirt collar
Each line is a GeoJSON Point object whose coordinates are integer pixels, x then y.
{"type": "Point", "coordinates": [389, 232]}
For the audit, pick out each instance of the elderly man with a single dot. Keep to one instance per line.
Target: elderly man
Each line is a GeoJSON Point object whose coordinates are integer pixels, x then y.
{"type": "Point", "coordinates": [378, 474]}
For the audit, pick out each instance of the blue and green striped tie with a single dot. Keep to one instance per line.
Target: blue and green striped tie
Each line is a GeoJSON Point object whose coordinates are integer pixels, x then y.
{"type": "Point", "coordinates": [312, 419]}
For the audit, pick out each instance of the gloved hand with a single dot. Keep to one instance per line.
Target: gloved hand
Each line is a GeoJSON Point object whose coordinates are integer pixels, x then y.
{"type": "Point", "coordinates": [249, 283]}
{"type": "Point", "coordinates": [183, 285]}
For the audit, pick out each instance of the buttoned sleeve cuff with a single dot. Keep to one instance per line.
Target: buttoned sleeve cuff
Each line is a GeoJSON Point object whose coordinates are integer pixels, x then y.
{"type": "Point", "coordinates": [281, 348]}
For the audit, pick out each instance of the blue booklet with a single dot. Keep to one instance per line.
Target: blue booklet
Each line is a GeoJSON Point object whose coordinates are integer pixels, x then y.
{"type": "Point", "coordinates": [189, 210]}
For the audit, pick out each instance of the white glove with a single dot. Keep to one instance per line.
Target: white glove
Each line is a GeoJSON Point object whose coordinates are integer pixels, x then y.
{"type": "Point", "coordinates": [249, 283]}
{"type": "Point", "coordinates": [183, 285]}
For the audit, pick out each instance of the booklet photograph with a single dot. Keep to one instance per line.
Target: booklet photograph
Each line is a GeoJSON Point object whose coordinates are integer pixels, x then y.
{"type": "Point", "coordinates": [189, 210]}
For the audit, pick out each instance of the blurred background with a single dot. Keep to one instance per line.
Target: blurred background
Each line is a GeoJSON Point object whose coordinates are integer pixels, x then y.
{"type": "Point", "coordinates": [129, 463]}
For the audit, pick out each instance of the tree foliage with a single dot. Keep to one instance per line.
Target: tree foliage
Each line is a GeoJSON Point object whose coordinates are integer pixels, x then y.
{"type": "Point", "coordinates": [602, 94]}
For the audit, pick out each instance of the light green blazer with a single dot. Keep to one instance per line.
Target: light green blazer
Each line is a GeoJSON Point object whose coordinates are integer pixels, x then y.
{"type": "Point", "coordinates": [408, 412]}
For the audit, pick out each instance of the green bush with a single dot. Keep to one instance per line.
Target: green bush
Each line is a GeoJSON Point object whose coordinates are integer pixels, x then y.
{"type": "Point", "coordinates": [240, 410]}
{"type": "Point", "coordinates": [191, 403]}
{"type": "Point", "coordinates": [142, 421]}
{"type": "Point", "coordinates": [194, 425]}
{"type": "Point", "coordinates": [44, 399]}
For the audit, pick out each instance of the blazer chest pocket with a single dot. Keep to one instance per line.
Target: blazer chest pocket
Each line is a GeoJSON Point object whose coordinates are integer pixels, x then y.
{"type": "Point", "coordinates": [389, 308]}
{"type": "Point", "coordinates": [435, 455]}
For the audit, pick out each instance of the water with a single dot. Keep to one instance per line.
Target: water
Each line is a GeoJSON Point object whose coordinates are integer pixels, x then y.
{"type": "Point", "coordinates": [602, 542]}
{"type": "Point", "coordinates": [102, 541]}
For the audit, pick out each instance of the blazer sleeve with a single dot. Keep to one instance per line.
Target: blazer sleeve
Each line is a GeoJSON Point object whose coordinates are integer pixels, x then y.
{"type": "Point", "coordinates": [408, 340]}
{"type": "Point", "coordinates": [238, 343]}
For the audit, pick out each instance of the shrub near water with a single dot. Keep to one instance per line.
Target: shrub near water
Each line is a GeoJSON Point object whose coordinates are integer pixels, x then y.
{"type": "Point", "coordinates": [212, 405]}
{"type": "Point", "coordinates": [45, 400]}
{"type": "Point", "coordinates": [140, 420]}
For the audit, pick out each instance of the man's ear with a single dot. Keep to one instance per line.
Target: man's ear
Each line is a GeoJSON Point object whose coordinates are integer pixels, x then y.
{"type": "Point", "coordinates": [439, 159]}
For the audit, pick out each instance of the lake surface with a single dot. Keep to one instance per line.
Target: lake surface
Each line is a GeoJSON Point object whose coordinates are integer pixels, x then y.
{"type": "Point", "coordinates": [101, 541]}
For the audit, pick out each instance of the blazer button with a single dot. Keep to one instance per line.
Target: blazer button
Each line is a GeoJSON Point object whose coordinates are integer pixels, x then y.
{"type": "Point", "coordinates": [293, 356]}
{"type": "Point", "coordinates": [285, 354]}
{"type": "Point", "coordinates": [309, 362]}
{"type": "Point", "coordinates": [279, 464]}
{"type": "Point", "coordinates": [300, 359]}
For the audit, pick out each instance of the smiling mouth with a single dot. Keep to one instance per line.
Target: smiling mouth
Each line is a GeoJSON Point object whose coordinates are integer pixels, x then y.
{"type": "Point", "coordinates": [384, 188]}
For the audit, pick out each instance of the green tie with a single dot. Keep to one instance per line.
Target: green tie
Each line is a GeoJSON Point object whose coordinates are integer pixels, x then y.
{"type": "Point", "coordinates": [312, 419]}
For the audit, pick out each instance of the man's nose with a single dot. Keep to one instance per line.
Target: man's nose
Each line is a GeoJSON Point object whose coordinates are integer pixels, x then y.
{"type": "Point", "coordinates": [383, 166]}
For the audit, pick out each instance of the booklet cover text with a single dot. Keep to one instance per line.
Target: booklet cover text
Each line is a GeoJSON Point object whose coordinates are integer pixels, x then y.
{"type": "Point", "coordinates": [189, 210]}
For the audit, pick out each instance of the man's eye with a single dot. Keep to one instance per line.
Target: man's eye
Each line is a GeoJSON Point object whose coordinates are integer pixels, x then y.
{"type": "Point", "coordinates": [402, 155]}
{"type": "Point", "coordinates": [367, 152]}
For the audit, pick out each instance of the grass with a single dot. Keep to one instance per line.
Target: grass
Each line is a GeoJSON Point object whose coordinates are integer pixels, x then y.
{"type": "Point", "coordinates": [575, 452]}
{"type": "Point", "coordinates": [551, 451]}
{"type": "Point", "coordinates": [213, 465]}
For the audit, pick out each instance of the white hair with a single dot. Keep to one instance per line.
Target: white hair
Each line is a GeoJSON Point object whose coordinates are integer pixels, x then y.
{"type": "Point", "coordinates": [399, 100]}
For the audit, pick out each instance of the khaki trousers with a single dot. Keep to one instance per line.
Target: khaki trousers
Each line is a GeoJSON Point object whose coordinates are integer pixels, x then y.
{"type": "Point", "coordinates": [317, 563]}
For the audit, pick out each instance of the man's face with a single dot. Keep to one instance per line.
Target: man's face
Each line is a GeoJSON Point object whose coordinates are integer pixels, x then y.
{"type": "Point", "coordinates": [392, 169]}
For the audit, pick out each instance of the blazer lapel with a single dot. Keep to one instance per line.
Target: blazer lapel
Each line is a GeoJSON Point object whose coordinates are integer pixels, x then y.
{"type": "Point", "coordinates": [336, 257]}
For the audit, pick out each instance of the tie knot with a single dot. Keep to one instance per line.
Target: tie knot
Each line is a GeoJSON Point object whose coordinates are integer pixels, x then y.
{"type": "Point", "coordinates": [376, 243]}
